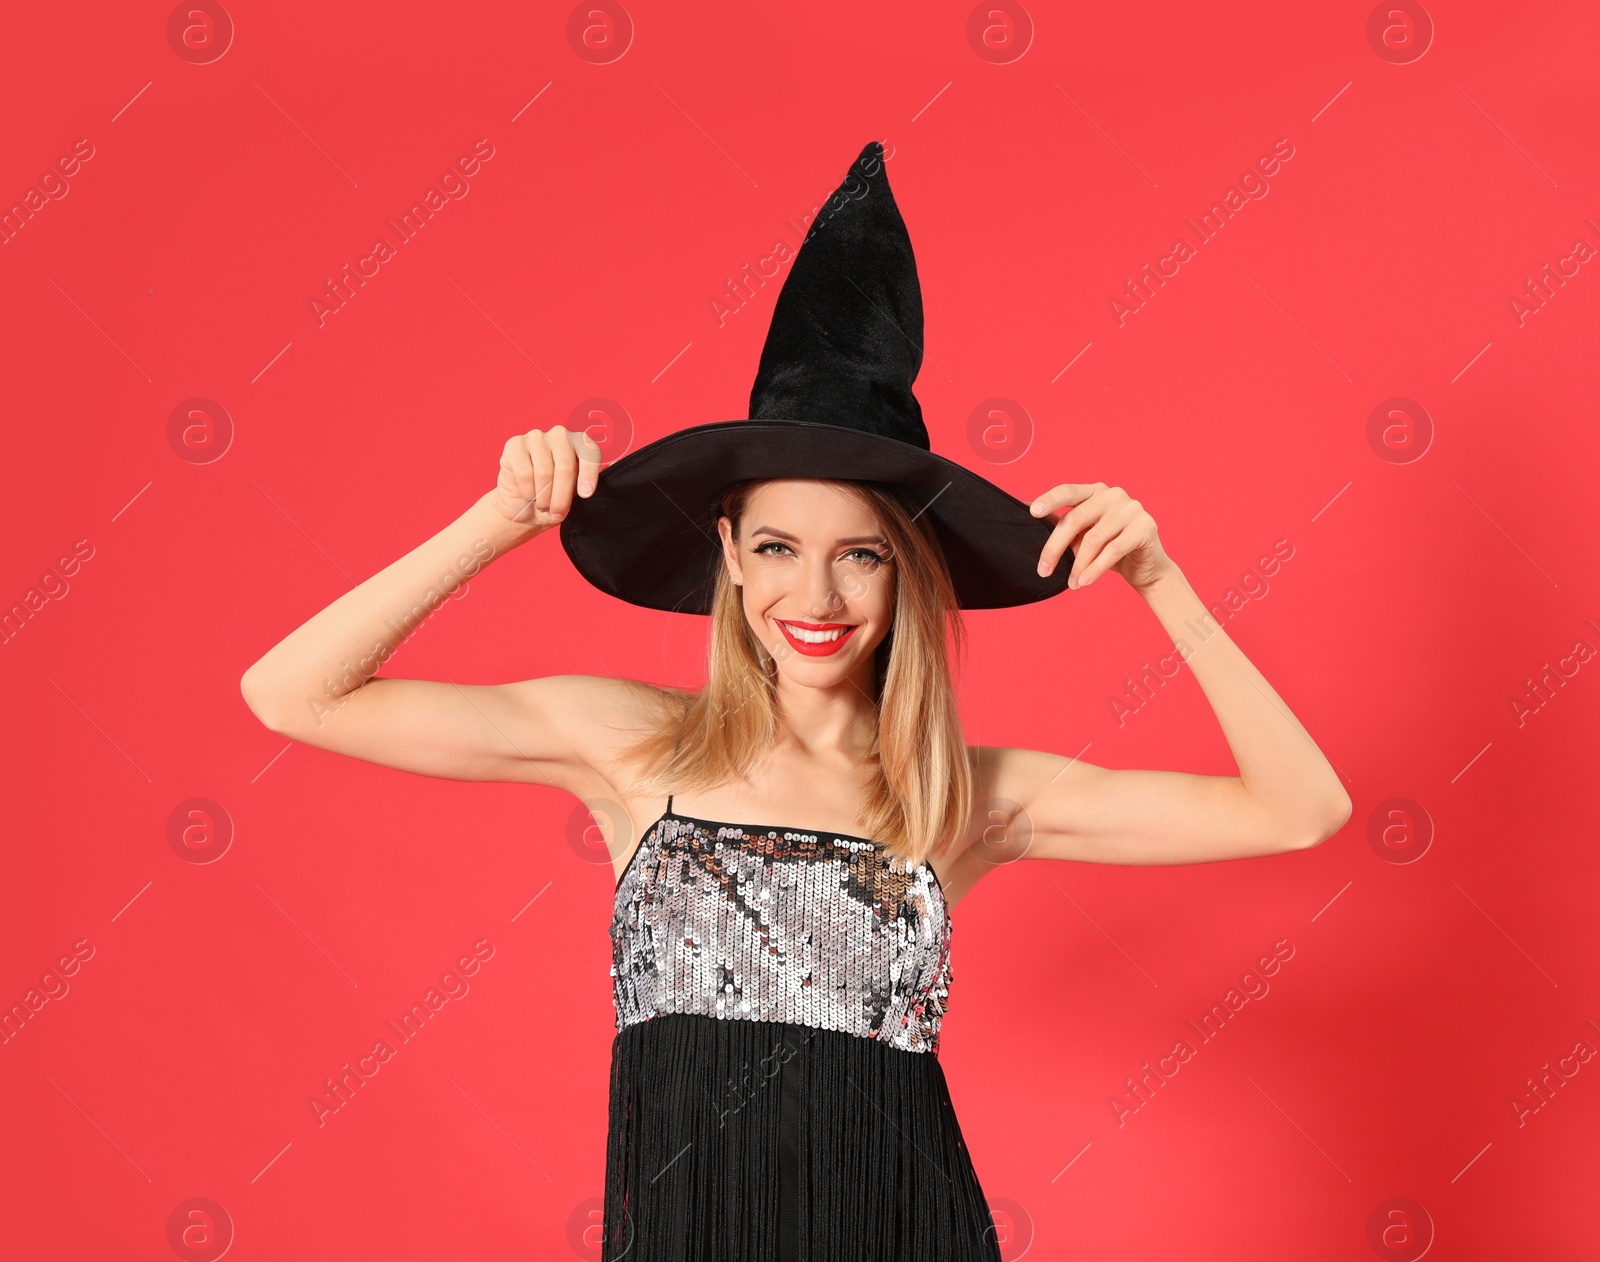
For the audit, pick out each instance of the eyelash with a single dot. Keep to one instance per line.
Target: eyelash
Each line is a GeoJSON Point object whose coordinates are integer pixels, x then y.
{"type": "Point", "coordinates": [761, 550]}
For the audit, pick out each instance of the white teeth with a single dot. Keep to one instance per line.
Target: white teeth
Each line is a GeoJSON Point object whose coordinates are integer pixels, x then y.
{"type": "Point", "coordinates": [806, 636]}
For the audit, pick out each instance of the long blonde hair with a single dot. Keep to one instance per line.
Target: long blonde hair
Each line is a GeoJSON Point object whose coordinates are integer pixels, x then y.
{"type": "Point", "coordinates": [920, 795]}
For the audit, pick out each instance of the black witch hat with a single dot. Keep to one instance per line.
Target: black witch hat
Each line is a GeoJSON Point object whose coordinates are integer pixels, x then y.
{"type": "Point", "coordinates": [832, 399]}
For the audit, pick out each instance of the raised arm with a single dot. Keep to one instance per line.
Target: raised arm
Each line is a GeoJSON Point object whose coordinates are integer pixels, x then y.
{"type": "Point", "coordinates": [1285, 797]}
{"type": "Point", "coordinates": [317, 685]}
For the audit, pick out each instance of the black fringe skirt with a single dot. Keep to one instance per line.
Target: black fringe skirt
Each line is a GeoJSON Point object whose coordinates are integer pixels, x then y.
{"type": "Point", "coordinates": [767, 1141]}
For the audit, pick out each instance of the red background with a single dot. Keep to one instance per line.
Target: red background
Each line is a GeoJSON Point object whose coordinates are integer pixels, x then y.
{"type": "Point", "coordinates": [1422, 592]}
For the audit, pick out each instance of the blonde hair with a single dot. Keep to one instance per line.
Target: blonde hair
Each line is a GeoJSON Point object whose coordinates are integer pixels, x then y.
{"type": "Point", "coordinates": [920, 795]}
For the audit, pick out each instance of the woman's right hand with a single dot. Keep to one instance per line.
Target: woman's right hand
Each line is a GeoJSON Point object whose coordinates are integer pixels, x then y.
{"type": "Point", "coordinates": [540, 470]}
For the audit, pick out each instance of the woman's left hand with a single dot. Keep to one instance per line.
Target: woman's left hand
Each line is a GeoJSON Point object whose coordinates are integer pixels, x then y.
{"type": "Point", "coordinates": [1106, 529]}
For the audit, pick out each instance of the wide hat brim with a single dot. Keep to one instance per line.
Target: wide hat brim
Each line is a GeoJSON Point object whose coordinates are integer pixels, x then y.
{"type": "Point", "coordinates": [648, 534]}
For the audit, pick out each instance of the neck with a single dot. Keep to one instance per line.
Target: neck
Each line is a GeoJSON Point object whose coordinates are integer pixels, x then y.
{"type": "Point", "coordinates": [841, 720]}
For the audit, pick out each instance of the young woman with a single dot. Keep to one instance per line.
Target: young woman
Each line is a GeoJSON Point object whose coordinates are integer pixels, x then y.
{"type": "Point", "coordinates": [791, 839]}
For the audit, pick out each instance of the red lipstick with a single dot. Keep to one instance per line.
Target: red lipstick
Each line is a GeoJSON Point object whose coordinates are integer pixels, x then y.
{"type": "Point", "coordinates": [824, 648]}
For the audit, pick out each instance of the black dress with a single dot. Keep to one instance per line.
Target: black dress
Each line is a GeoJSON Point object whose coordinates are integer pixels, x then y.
{"type": "Point", "coordinates": [776, 1093]}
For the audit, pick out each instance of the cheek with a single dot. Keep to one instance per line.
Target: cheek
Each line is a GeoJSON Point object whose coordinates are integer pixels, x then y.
{"type": "Point", "coordinates": [857, 583]}
{"type": "Point", "coordinates": [874, 607]}
{"type": "Point", "coordinates": [759, 599]}
{"type": "Point", "coordinates": [761, 592]}
{"type": "Point", "coordinates": [762, 575]}
{"type": "Point", "coordinates": [875, 597]}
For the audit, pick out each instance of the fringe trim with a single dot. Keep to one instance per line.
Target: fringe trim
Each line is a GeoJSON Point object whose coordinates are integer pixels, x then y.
{"type": "Point", "coordinates": [695, 1148]}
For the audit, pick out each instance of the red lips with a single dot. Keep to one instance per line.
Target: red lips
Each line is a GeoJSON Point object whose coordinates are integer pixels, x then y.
{"type": "Point", "coordinates": [825, 649]}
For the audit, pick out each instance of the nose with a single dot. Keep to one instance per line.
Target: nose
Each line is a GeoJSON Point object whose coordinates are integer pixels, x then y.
{"type": "Point", "coordinates": [820, 594]}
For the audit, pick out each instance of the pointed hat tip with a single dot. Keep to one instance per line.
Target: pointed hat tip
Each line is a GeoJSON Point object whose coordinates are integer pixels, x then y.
{"type": "Point", "coordinates": [872, 162]}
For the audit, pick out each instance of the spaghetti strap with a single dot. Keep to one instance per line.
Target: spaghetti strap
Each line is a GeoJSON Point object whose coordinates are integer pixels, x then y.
{"type": "Point", "coordinates": [669, 804]}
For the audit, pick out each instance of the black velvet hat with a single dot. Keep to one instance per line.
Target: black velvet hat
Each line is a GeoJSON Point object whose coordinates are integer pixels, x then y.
{"type": "Point", "coordinates": [832, 399]}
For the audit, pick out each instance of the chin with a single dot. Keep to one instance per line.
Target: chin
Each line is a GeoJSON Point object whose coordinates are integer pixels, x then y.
{"type": "Point", "coordinates": [821, 672]}
{"type": "Point", "coordinates": [811, 674]}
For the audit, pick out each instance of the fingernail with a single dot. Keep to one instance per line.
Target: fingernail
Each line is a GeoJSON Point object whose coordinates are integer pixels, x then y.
{"type": "Point", "coordinates": [1043, 569]}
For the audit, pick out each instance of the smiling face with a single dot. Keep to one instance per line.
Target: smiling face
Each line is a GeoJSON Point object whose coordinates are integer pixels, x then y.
{"type": "Point", "coordinates": [816, 574]}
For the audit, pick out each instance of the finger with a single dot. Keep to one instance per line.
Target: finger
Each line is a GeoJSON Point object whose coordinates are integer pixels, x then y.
{"type": "Point", "coordinates": [1074, 522]}
{"type": "Point", "coordinates": [543, 469]}
{"type": "Point", "coordinates": [589, 460]}
{"type": "Point", "coordinates": [1137, 530]}
{"type": "Point", "coordinates": [564, 462]}
{"type": "Point", "coordinates": [1064, 496]}
{"type": "Point", "coordinates": [517, 469]}
{"type": "Point", "coordinates": [1102, 543]}
{"type": "Point", "coordinates": [1104, 559]}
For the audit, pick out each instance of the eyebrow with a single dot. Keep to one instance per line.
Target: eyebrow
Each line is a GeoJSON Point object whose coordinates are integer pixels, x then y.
{"type": "Point", "coordinates": [769, 530]}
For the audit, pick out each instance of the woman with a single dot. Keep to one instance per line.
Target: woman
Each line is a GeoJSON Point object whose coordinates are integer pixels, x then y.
{"type": "Point", "coordinates": [790, 840]}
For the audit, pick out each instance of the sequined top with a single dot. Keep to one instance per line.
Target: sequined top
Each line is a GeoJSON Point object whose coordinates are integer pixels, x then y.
{"type": "Point", "coordinates": [775, 924]}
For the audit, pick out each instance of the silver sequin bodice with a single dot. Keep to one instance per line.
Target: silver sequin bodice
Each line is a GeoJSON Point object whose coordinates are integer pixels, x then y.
{"type": "Point", "coordinates": [780, 925]}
